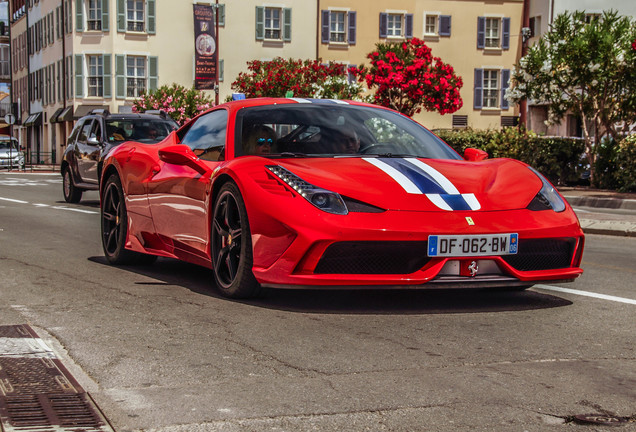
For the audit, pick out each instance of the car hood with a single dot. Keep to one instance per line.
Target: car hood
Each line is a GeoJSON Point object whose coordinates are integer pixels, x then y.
{"type": "Point", "coordinates": [4, 153]}
{"type": "Point", "coordinates": [414, 184]}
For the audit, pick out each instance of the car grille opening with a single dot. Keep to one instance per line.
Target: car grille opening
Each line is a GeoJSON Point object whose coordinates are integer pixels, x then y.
{"type": "Point", "coordinates": [373, 257]}
{"type": "Point", "coordinates": [542, 254]}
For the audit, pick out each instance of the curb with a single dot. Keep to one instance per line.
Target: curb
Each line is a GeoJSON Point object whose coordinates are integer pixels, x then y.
{"type": "Point", "coordinates": [614, 228]}
{"type": "Point", "coordinates": [600, 202]}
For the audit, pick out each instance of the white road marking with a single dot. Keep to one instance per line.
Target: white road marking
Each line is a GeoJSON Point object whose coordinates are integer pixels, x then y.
{"type": "Point", "coordinates": [586, 294]}
{"type": "Point", "coordinates": [39, 205]}
{"type": "Point", "coordinates": [14, 200]}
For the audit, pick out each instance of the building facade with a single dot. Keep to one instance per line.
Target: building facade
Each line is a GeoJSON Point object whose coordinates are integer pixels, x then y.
{"type": "Point", "coordinates": [71, 56]}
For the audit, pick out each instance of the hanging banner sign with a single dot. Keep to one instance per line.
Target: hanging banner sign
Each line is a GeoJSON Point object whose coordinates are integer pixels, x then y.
{"type": "Point", "coordinates": [205, 68]}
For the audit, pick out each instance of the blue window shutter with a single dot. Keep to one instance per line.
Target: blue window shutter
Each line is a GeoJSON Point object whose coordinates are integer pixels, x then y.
{"type": "Point", "coordinates": [444, 25]}
{"type": "Point", "coordinates": [408, 24]}
{"type": "Point", "coordinates": [481, 32]}
{"type": "Point", "coordinates": [152, 17]}
{"type": "Point", "coordinates": [107, 76]}
{"type": "Point", "coordinates": [105, 16]}
{"type": "Point", "coordinates": [153, 73]}
{"type": "Point", "coordinates": [352, 28]}
{"type": "Point", "coordinates": [120, 76]}
{"type": "Point", "coordinates": [79, 15]}
{"type": "Point", "coordinates": [324, 33]}
{"type": "Point", "coordinates": [121, 16]}
{"type": "Point", "coordinates": [384, 23]}
{"type": "Point", "coordinates": [505, 36]}
{"type": "Point", "coordinates": [479, 89]}
{"type": "Point", "coordinates": [287, 24]}
{"type": "Point", "coordinates": [260, 22]}
{"type": "Point", "coordinates": [79, 75]}
{"type": "Point", "coordinates": [221, 10]}
{"type": "Point", "coordinates": [505, 81]}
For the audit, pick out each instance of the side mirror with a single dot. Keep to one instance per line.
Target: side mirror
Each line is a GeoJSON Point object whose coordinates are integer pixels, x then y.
{"type": "Point", "coordinates": [475, 155]}
{"type": "Point", "coordinates": [180, 154]}
{"type": "Point", "coordinates": [93, 141]}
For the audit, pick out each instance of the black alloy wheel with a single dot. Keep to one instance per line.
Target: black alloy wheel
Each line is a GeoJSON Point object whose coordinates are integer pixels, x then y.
{"type": "Point", "coordinates": [232, 245]}
{"type": "Point", "coordinates": [115, 226]}
{"type": "Point", "coordinates": [71, 193]}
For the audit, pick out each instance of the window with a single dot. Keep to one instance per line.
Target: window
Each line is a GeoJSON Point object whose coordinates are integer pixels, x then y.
{"type": "Point", "coordinates": [95, 78]}
{"type": "Point", "coordinates": [490, 87]}
{"type": "Point", "coordinates": [493, 33]}
{"type": "Point", "coordinates": [273, 24]}
{"type": "Point", "coordinates": [430, 24]}
{"type": "Point", "coordinates": [396, 25]}
{"type": "Point", "coordinates": [337, 32]}
{"type": "Point", "coordinates": [338, 27]}
{"type": "Point", "coordinates": [206, 137]}
{"type": "Point", "coordinates": [94, 21]}
{"type": "Point", "coordinates": [5, 57]}
{"type": "Point", "coordinates": [535, 26]}
{"type": "Point", "coordinates": [135, 15]}
{"type": "Point", "coordinates": [589, 17]}
{"type": "Point", "coordinates": [135, 76]}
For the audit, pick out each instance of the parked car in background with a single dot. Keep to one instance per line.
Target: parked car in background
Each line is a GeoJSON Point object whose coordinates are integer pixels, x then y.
{"type": "Point", "coordinates": [95, 134]}
{"type": "Point", "coordinates": [10, 154]}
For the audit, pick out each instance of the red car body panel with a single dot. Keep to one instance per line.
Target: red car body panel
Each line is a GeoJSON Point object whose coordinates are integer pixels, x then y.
{"type": "Point", "coordinates": [169, 210]}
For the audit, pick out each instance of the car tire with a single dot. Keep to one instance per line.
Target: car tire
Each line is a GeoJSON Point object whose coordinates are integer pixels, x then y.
{"type": "Point", "coordinates": [232, 255]}
{"type": "Point", "coordinates": [114, 226]}
{"type": "Point", "coordinates": [72, 194]}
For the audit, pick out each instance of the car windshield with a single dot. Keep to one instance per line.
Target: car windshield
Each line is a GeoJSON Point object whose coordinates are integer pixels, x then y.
{"type": "Point", "coordinates": [6, 145]}
{"type": "Point", "coordinates": [138, 129]}
{"type": "Point", "coordinates": [331, 129]}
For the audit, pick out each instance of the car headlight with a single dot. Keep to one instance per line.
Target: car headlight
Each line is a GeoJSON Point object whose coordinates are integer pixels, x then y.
{"type": "Point", "coordinates": [330, 202]}
{"type": "Point", "coordinates": [547, 198]}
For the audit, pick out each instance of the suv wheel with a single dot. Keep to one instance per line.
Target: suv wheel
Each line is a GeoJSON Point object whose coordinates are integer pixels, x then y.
{"type": "Point", "coordinates": [71, 193]}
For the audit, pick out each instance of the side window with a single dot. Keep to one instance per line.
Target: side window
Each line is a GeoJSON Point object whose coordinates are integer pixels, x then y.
{"type": "Point", "coordinates": [74, 133]}
{"type": "Point", "coordinates": [85, 131]}
{"type": "Point", "coordinates": [206, 137]}
{"type": "Point", "coordinates": [96, 131]}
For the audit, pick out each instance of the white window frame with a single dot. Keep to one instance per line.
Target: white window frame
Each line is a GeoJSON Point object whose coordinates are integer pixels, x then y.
{"type": "Point", "coordinates": [94, 75]}
{"type": "Point", "coordinates": [337, 31]}
{"type": "Point", "coordinates": [133, 81]}
{"type": "Point", "coordinates": [133, 24]}
{"type": "Point", "coordinates": [492, 34]}
{"type": "Point", "coordinates": [435, 16]}
{"type": "Point", "coordinates": [269, 28]}
{"type": "Point", "coordinates": [94, 15]}
{"type": "Point", "coordinates": [489, 93]}
{"type": "Point", "coordinates": [392, 25]}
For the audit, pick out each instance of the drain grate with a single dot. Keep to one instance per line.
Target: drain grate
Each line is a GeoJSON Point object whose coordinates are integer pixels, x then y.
{"type": "Point", "coordinates": [601, 419]}
{"type": "Point", "coordinates": [37, 393]}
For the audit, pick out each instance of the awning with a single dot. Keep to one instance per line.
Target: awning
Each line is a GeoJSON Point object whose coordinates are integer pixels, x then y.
{"type": "Point", "coordinates": [65, 115]}
{"type": "Point", "coordinates": [34, 120]}
{"type": "Point", "coordinates": [82, 110]}
{"type": "Point", "coordinates": [56, 115]}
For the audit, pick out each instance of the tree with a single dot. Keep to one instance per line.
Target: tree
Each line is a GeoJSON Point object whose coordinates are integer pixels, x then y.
{"type": "Point", "coordinates": [585, 67]}
{"type": "Point", "coordinates": [407, 78]}
{"type": "Point", "coordinates": [301, 78]}
{"type": "Point", "coordinates": [179, 102]}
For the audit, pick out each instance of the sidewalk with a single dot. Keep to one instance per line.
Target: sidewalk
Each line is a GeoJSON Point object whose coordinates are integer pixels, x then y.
{"type": "Point", "coordinates": [603, 212]}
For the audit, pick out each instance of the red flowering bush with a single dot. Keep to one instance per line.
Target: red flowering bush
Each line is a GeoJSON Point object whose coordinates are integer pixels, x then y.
{"type": "Point", "coordinates": [179, 102]}
{"type": "Point", "coordinates": [303, 78]}
{"type": "Point", "coordinates": [407, 78]}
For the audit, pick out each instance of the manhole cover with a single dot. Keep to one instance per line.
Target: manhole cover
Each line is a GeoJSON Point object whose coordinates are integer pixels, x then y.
{"type": "Point", "coordinates": [601, 419]}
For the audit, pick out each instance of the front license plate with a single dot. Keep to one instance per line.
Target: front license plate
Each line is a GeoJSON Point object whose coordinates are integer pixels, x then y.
{"type": "Point", "coordinates": [472, 245]}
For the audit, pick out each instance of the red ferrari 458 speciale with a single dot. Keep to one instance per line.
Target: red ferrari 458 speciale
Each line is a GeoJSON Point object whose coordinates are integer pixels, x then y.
{"type": "Point", "coordinates": [316, 193]}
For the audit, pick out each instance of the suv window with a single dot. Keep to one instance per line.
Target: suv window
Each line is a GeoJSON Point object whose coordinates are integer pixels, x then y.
{"type": "Point", "coordinates": [146, 130]}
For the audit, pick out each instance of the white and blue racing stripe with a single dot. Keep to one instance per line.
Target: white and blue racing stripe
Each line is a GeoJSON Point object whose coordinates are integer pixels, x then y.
{"type": "Point", "coordinates": [417, 177]}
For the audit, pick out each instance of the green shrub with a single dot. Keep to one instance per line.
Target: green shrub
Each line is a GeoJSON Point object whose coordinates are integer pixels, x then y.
{"type": "Point", "coordinates": [559, 159]}
{"type": "Point", "coordinates": [625, 173]}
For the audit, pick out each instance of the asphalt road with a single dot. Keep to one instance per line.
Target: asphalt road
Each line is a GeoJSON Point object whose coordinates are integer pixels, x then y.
{"type": "Point", "coordinates": [159, 350]}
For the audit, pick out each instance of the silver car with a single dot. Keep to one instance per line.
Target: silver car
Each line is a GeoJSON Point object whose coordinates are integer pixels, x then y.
{"type": "Point", "coordinates": [10, 154]}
